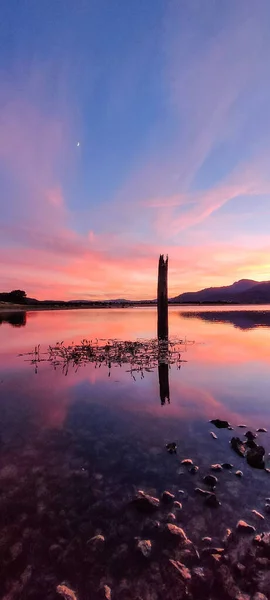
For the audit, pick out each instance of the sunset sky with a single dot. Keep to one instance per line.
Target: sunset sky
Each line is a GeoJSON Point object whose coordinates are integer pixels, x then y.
{"type": "Point", "coordinates": [169, 101]}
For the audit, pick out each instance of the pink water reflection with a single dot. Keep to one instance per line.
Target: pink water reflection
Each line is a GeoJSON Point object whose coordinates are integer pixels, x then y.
{"type": "Point", "coordinates": [226, 374]}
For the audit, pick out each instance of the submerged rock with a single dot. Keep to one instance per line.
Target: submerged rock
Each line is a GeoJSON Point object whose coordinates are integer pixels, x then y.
{"type": "Point", "coordinates": [238, 446]}
{"type": "Point", "coordinates": [145, 503]}
{"type": "Point", "coordinates": [255, 457]}
{"type": "Point", "coordinates": [267, 508]}
{"type": "Point", "coordinates": [227, 536]}
{"type": "Point", "coordinates": [97, 542]}
{"type": "Point", "coordinates": [104, 593]}
{"type": "Point", "coordinates": [145, 547]}
{"type": "Point", "coordinates": [177, 505]}
{"type": "Point", "coordinates": [257, 514]}
{"type": "Point", "coordinates": [176, 533]}
{"type": "Point", "coordinates": [213, 435]}
{"type": "Point", "coordinates": [66, 592]}
{"type": "Point", "coordinates": [244, 527]}
{"type": "Point", "coordinates": [171, 517]}
{"type": "Point", "coordinates": [227, 466]}
{"type": "Point", "coordinates": [210, 480]}
{"type": "Point", "coordinates": [216, 467]}
{"type": "Point", "coordinates": [242, 426]}
{"type": "Point", "coordinates": [187, 461]}
{"type": "Point", "coordinates": [207, 540]}
{"type": "Point", "coordinates": [167, 497]}
{"type": "Point", "coordinates": [261, 430]}
{"type": "Point", "coordinates": [259, 596]}
{"type": "Point", "coordinates": [202, 492]}
{"type": "Point", "coordinates": [239, 473]}
{"type": "Point", "coordinates": [183, 571]}
{"type": "Point", "coordinates": [250, 436]}
{"type": "Point", "coordinates": [171, 447]}
{"type": "Point", "coordinates": [263, 540]}
{"type": "Point", "coordinates": [212, 501]}
{"type": "Point", "coordinates": [220, 424]}
{"type": "Point", "coordinates": [193, 470]}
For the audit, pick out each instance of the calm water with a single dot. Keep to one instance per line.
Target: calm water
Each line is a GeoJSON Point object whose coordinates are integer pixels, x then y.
{"type": "Point", "coordinates": [76, 448]}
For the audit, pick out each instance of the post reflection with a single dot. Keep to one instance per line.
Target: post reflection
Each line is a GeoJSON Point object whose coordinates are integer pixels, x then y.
{"type": "Point", "coordinates": [164, 386]}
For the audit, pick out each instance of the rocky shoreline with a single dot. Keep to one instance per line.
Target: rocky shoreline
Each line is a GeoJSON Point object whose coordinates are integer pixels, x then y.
{"type": "Point", "coordinates": [85, 515]}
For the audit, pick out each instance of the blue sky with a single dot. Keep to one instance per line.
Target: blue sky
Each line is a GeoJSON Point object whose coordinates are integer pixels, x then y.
{"type": "Point", "coordinates": [170, 103]}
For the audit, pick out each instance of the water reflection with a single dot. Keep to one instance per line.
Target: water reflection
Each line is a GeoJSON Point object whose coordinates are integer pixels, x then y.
{"type": "Point", "coordinates": [247, 319]}
{"type": "Point", "coordinates": [75, 448]}
{"type": "Point", "coordinates": [15, 319]}
{"type": "Point", "coordinates": [164, 386]}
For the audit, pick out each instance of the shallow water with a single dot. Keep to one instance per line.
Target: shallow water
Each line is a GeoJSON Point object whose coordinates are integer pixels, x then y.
{"type": "Point", "coordinates": [76, 448]}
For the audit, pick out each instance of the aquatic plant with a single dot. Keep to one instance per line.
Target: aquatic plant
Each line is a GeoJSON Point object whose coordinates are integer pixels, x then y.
{"type": "Point", "coordinates": [140, 355]}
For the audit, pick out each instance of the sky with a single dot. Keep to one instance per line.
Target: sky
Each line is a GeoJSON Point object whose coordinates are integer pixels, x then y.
{"type": "Point", "coordinates": [130, 128]}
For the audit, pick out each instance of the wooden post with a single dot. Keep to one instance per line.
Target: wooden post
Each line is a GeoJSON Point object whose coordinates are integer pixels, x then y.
{"type": "Point", "coordinates": [162, 298]}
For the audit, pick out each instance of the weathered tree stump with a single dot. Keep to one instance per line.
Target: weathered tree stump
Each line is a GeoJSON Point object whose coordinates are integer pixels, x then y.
{"type": "Point", "coordinates": [162, 298]}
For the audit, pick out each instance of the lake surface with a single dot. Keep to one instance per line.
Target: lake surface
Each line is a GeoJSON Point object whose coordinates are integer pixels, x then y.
{"type": "Point", "coordinates": [76, 448]}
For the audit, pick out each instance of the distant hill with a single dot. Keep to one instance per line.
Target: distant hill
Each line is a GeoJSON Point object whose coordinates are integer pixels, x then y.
{"type": "Point", "coordinates": [245, 290]}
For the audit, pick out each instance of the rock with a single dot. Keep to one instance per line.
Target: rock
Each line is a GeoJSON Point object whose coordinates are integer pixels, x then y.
{"type": "Point", "coordinates": [244, 527]}
{"type": "Point", "coordinates": [241, 596]}
{"type": "Point", "coordinates": [171, 517]}
{"type": "Point", "coordinates": [230, 428]}
{"type": "Point", "coordinates": [200, 574]}
{"type": "Point", "coordinates": [187, 461]}
{"type": "Point", "coordinates": [167, 497]}
{"type": "Point", "coordinates": [216, 558]}
{"type": "Point", "coordinates": [267, 470]}
{"type": "Point", "coordinates": [145, 547]}
{"type": "Point", "coordinates": [97, 542]}
{"type": "Point", "coordinates": [240, 568]}
{"type": "Point", "coordinates": [242, 426]}
{"type": "Point", "coordinates": [207, 540]}
{"type": "Point", "coordinates": [267, 508]}
{"type": "Point", "coordinates": [181, 492]}
{"type": "Point", "coordinates": [193, 470]}
{"type": "Point", "coordinates": [177, 505]}
{"type": "Point", "coordinates": [261, 430]}
{"type": "Point", "coordinates": [259, 596]}
{"type": "Point", "coordinates": [55, 550]}
{"type": "Point", "coordinates": [66, 592]}
{"type": "Point", "coordinates": [211, 550]}
{"type": "Point", "coordinates": [145, 503]}
{"type": "Point", "coordinates": [220, 424]}
{"type": "Point", "coordinates": [202, 492]}
{"type": "Point", "coordinates": [104, 593]}
{"type": "Point", "coordinates": [216, 467]}
{"type": "Point", "coordinates": [183, 571]}
{"type": "Point", "coordinates": [171, 447]}
{"type": "Point", "coordinates": [210, 480]}
{"type": "Point", "coordinates": [255, 457]}
{"type": "Point", "coordinates": [214, 436]}
{"type": "Point", "coordinates": [212, 501]}
{"type": "Point", "coordinates": [239, 473]}
{"type": "Point", "coordinates": [176, 533]}
{"type": "Point", "coordinates": [263, 540]}
{"type": "Point", "coordinates": [227, 585]}
{"type": "Point", "coordinates": [227, 536]}
{"type": "Point", "coordinates": [250, 436]}
{"type": "Point", "coordinates": [227, 466]}
{"type": "Point", "coordinates": [238, 446]}
{"type": "Point", "coordinates": [257, 514]}
{"type": "Point", "coordinates": [267, 500]}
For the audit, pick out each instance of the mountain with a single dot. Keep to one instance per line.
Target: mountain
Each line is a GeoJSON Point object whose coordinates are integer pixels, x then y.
{"type": "Point", "coordinates": [245, 288]}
